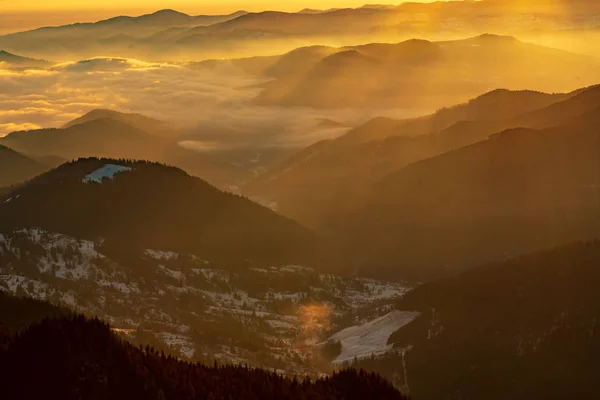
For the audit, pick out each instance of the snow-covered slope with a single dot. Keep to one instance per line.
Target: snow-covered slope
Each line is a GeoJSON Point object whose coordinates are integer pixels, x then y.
{"type": "Point", "coordinates": [263, 315]}
{"type": "Point", "coordinates": [371, 338]}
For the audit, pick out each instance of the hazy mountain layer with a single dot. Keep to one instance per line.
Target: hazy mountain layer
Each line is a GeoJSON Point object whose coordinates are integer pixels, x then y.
{"type": "Point", "coordinates": [105, 133]}
{"type": "Point", "coordinates": [420, 74]}
{"type": "Point", "coordinates": [168, 34]}
{"type": "Point", "coordinates": [17, 168]}
{"type": "Point", "coordinates": [316, 183]}
{"type": "Point", "coordinates": [518, 191]}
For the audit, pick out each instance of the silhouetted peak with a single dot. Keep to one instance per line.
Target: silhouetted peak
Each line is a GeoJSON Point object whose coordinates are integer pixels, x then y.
{"type": "Point", "coordinates": [169, 11]}
{"type": "Point", "coordinates": [102, 113]}
{"type": "Point", "coordinates": [105, 120]}
{"type": "Point", "coordinates": [346, 56]}
{"type": "Point", "coordinates": [490, 37]}
{"type": "Point", "coordinates": [239, 13]}
{"type": "Point", "coordinates": [502, 93]}
{"type": "Point", "coordinates": [379, 6]}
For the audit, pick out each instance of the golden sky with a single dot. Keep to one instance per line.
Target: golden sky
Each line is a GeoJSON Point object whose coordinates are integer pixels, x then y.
{"type": "Point", "coordinates": [194, 6]}
{"type": "Point", "coordinates": [17, 15]}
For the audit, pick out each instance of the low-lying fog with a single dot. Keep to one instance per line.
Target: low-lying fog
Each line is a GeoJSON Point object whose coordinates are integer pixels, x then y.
{"type": "Point", "coordinates": [214, 104]}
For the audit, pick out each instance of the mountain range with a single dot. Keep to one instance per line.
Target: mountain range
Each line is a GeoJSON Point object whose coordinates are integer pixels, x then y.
{"type": "Point", "coordinates": [521, 190]}
{"type": "Point", "coordinates": [107, 133]}
{"type": "Point", "coordinates": [418, 74]}
{"type": "Point", "coordinates": [314, 182]}
{"type": "Point", "coordinates": [116, 33]}
{"type": "Point", "coordinates": [443, 235]}
{"type": "Point", "coordinates": [168, 34]}
{"type": "Point", "coordinates": [424, 200]}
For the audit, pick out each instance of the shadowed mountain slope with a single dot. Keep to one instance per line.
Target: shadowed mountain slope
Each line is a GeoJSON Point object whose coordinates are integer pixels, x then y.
{"type": "Point", "coordinates": [134, 206]}
{"type": "Point", "coordinates": [17, 168]}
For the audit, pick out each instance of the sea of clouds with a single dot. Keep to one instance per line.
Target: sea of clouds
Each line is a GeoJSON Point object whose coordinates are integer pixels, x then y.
{"type": "Point", "coordinates": [212, 105]}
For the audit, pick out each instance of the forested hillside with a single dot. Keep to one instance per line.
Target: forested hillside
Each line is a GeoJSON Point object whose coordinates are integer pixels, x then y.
{"type": "Point", "coordinates": [152, 206]}
{"type": "Point", "coordinates": [521, 190]}
{"type": "Point", "coordinates": [521, 329]}
{"type": "Point", "coordinates": [74, 358]}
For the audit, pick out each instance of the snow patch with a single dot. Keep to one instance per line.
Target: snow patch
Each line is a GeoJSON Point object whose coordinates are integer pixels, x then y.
{"type": "Point", "coordinates": [180, 342]}
{"type": "Point", "coordinates": [161, 255]}
{"type": "Point", "coordinates": [107, 172]}
{"type": "Point", "coordinates": [362, 341]}
{"type": "Point", "coordinates": [177, 275]}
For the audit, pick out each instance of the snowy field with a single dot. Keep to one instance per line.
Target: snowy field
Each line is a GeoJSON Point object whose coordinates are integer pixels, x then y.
{"type": "Point", "coordinates": [371, 338]}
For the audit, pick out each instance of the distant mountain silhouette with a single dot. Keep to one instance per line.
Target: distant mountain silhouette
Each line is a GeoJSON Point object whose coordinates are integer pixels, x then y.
{"type": "Point", "coordinates": [168, 34]}
{"type": "Point", "coordinates": [17, 168]}
{"type": "Point", "coordinates": [94, 137]}
{"type": "Point", "coordinates": [105, 133]}
{"type": "Point", "coordinates": [18, 61]}
{"type": "Point", "coordinates": [419, 74]}
{"type": "Point", "coordinates": [497, 105]}
{"type": "Point", "coordinates": [154, 206]}
{"type": "Point", "coordinates": [520, 190]}
{"type": "Point", "coordinates": [149, 125]}
{"type": "Point", "coordinates": [115, 34]}
{"type": "Point", "coordinates": [312, 184]}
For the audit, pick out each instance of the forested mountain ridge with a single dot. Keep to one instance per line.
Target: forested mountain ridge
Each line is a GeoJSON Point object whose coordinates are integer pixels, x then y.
{"type": "Point", "coordinates": [152, 206]}
{"type": "Point", "coordinates": [521, 190]}
{"type": "Point", "coordinates": [520, 329]}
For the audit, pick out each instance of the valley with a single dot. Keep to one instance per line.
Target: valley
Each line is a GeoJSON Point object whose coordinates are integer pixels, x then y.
{"type": "Point", "coordinates": [272, 317]}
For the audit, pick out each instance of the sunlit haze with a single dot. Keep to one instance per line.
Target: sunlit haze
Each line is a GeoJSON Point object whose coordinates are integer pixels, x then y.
{"type": "Point", "coordinates": [183, 5]}
{"type": "Point", "coordinates": [301, 199]}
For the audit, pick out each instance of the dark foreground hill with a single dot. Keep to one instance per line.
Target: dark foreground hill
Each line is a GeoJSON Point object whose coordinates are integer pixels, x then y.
{"type": "Point", "coordinates": [75, 358]}
{"type": "Point", "coordinates": [522, 329]}
{"type": "Point", "coordinates": [132, 206]}
{"type": "Point", "coordinates": [17, 313]}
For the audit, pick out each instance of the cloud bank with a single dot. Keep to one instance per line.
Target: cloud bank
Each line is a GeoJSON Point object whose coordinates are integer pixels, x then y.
{"type": "Point", "coordinates": [210, 104]}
